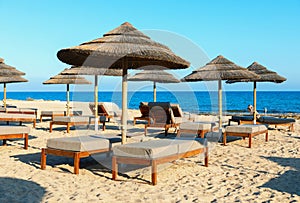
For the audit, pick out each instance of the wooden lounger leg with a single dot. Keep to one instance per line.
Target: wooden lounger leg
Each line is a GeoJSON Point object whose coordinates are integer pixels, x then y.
{"type": "Point", "coordinates": [34, 123]}
{"type": "Point", "coordinates": [41, 118]}
{"type": "Point", "coordinates": [68, 127]}
{"type": "Point", "coordinates": [134, 120]}
{"type": "Point", "coordinates": [250, 140]}
{"type": "Point", "coordinates": [114, 168]}
{"type": "Point", "coordinates": [4, 142]}
{"type": "Point", "coordinates": [26, 141]}
{"type": "Point", "coordinates": [76, 162]}
{"type": "Point", "coordinates": [103, 126]}
{"type": "Point", "coordinates": [166, 131]}
{"type": "Point", "coordinates": [267, 136]}
{"type": "Point", "coordinates": [206, 157]}
{"type": "Point", "coordinates": [43, 159]}
{"type": "Point", "coordinates": [224, 138]}
{"type": "Point", "coordinates": [154, 172]}
{"type": "Point", "coordinates": [50, 128]}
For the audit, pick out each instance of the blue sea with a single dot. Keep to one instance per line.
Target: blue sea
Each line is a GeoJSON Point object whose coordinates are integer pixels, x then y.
{"type": "Point", "coordinates": [196, 102]}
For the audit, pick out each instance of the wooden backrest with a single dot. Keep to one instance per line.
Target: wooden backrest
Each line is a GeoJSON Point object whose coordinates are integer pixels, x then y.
{"type": "Point", "coordinates": [160, 112]}
{"type": "Point", "coordinates": [144, 109]}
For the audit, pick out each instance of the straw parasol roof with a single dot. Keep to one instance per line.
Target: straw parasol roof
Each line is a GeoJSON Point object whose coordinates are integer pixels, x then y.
{"type": "Point", "coordinates": [66, 79]}
{"type": "Point", "coordinates": [12, 79]}
{"type": "Point", "coordinates": [6, 70]}
{"type": "Point", "coordinates": [124, 41]}
{"type": "Point", "coordinates": [220, 68]}
{"type": "Point", "coordinates": [85, 70]}
{"type": "Point", "coordinates": [124, 48]}
{"type": "Point", "coordinates": [265, 75]}
{"type": "Point", "coordinates": [159, 76]}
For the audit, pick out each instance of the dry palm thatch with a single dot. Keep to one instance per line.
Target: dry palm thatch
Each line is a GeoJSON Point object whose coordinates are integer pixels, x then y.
{"type": "Point", "coordinates": [265, 75]}
{"type": "Point", "coordinates": [83, 70]}
{"type": "Point", "coordinates": [66, 79]}
{"type": "Point", "coordinates": [124, 48]}
{"type": "Point", "coordinates": [123, 43]}
{"type": "Point", "coordinates": [12, 79]}
{"type": "Point", "coordinates": [220, 68]}
{"type": "Point", "coordinates": [159, 76]}
{"type": "Point", "coordinates": [6, 70]}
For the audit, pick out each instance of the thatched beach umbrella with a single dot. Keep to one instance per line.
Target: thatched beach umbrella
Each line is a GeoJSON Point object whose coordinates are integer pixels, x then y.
{"type": "Point", "coordinates": [67, 79]}
{"type": "Point", "coordinates": [158, 76]}
{"type": "Point", "coordinates": [80, 70]}
{"type": "Point", "coordinates": [124, 48]}
{"type": "Point", "coordinates": [265, 76]}
{"type": "Point", "coordinates": [219, 69]}
{"type": "Point", "coordinates": [9, 74]}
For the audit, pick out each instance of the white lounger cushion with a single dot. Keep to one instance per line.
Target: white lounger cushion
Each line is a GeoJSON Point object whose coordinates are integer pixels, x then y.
{"type": "Point", "coordinates": [50, 113]}
{"type": "Point", "coordinates": [69, 119]}
{"type": "Point", "coordinates": [156, 148]}
{"type": "Point", "coordinates": [7, 130]}
{"type": "Point", "coordinates": [12, 115]}
{"type": "Point", "coordinates": [196, 126]}
{"type": "Point", "coordinates": [245, 128]}
{"type": "Point", "coordinates": [78, 144]}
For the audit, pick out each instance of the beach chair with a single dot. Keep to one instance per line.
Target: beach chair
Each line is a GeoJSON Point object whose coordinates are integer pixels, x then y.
{"type": "Point", "coordinates": [14, 117]}
{"type": "Point", "coordinates": [269, 120]}
{"type": "Point", "coordinates": [196, 129]}
{"type": "Point", "coordinates": [70, 121]}
{"type": "Point", "coordinates": [155, 152]}
{"type": "Point", "coordinates": [52, 114]}
{"type": "Point", "coordinates": [144, 109]}
{"type": "Point", "coordinates": [77, 148]}
{"type": "Point", "coordinates": [15, 110]}
{"type": "Point", "coordinates": [12, 132]}
{"type": "Point", "coordinates": [161, 116]}
{"type": "Point", "coordinates": [108, 109]}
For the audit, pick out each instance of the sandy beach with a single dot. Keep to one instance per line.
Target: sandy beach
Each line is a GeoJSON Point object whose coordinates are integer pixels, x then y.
{"type": "Point", "coordinates": [268, 172]}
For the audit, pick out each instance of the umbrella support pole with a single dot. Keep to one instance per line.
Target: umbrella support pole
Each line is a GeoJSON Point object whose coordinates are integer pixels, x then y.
{"type": "Point", "coordinates": [68, 99]}
{"type": "Point", "coordinates": [96, 102]}
{"type": "Point", "coordinates": [4, 95]}
{"type": "Point", "coordinates": [254, 102]}
{"type": "Point", "coordinates": [220, 103]}
{"type": "Point", "coordinates": [124, 104]}
{"type": "Point", "coordinates": [154, 91]}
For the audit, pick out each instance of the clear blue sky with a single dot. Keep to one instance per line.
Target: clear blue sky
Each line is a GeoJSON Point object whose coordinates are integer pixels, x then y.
{"type": "Point", "coordinates": [265, 31]}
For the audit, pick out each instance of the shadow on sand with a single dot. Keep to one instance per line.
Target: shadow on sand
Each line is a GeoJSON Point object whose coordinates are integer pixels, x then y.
{"type": "Point", "coordinates": [290, 180]}
{"type": "Point", "coordinates": [18, 190]}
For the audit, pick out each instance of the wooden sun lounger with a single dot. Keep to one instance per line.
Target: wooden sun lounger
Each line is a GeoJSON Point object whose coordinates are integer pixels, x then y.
{"type": "Point", "coordinates": [196, 128]}
{"type": "Point", "coordinates": [70, 121]}
{"type": "Point", "coordinates": [30, 111]}
{"type": "Point", "coordinates": [77, 148]}
{"type": "Point", "coordinates": [269, 120]}
{"type": "Point", "coordinates": [8, 117]}
{"type": "Point", "coordinates": [11, 132]}
{"type": "Point", "coordinates": [244, 131]}
{"type": "Point", "coordinates": [155, 152]}
{"type": "Point", "coordinates": [52, 114]}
